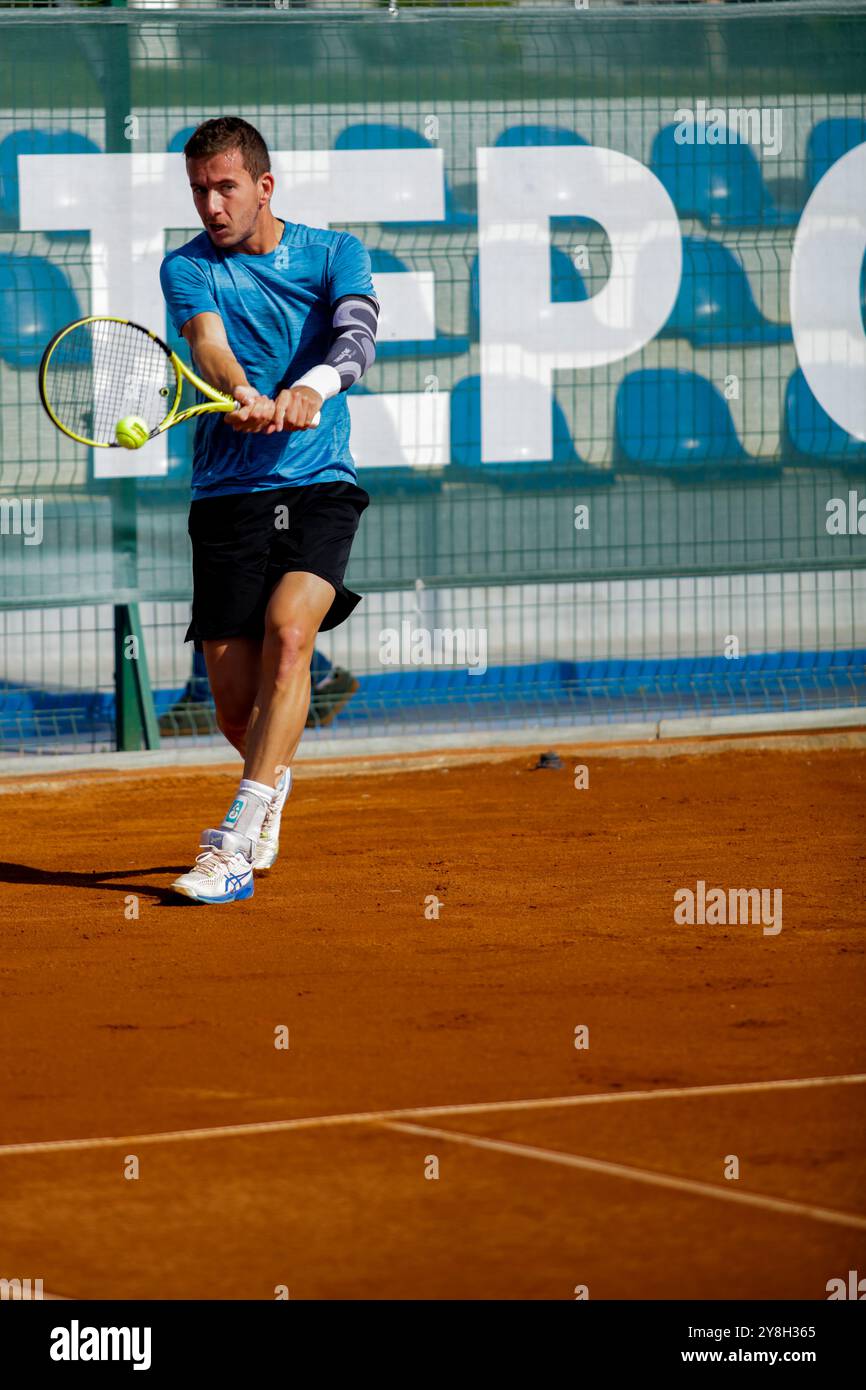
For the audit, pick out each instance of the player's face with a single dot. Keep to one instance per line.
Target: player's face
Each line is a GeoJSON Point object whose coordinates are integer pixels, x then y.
{"type": "Point", "coordinates": [227, 198]}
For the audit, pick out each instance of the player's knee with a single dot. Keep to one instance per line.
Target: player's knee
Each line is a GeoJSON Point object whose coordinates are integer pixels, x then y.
{"type": "Point", "coordinates": [294, 643]}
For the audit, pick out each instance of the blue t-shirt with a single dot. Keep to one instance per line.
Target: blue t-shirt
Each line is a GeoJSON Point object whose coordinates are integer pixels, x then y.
{"type": "Point", "coordinates": [278, 321]}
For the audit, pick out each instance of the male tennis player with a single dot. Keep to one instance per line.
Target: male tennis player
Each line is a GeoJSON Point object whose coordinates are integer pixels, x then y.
{"type": "Point", "coordinates": [282, 317]}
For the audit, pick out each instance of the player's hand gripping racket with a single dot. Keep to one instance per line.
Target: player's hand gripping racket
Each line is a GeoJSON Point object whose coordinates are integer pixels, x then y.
{"type": "Point", "coordinates": [110, 384]}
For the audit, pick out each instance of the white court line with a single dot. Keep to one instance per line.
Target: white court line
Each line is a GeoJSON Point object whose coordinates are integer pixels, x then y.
{"type": "Point", "coordinates": [621, 1170]}
{"type": "Point", "coordinates": [181, 1136]}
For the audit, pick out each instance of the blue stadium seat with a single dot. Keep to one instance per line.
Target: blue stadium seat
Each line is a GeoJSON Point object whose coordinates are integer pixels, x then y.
{"type": "Point", "coordinates": [443, 345]}
{"type": "Point", "coordinates": [377, 135]}
{"type": "Point", "coordinates": [810, 436]}
{"type": "Point", "coordinates": [676, 422]}
{"type": "Point", "coordinates": [715, 303]}
{"type": "Point", "coordinates": [35, 142]}
{"type": "Point", "coordinates": [720, 184]}
{"type": "Point", "coordinates": [566, 467]}
{"type": "Point", "coordinates": [521, 135]}
{"type": "Point", "coordinates": [179, 139]}
{"type": "Point", "coordinates": [566, 286]}
{"type": "Point", "coordinates": [36, 300]}
{"type": "Point", "coordinates": [828, 141]}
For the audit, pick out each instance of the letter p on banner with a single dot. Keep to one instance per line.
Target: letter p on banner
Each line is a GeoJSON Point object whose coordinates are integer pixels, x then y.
{"type": "Point", "coordinates": [525, 336]}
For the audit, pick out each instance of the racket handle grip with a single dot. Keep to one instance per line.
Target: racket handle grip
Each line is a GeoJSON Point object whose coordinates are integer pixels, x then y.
{"type": "Point", "coordinates": [313, 423]}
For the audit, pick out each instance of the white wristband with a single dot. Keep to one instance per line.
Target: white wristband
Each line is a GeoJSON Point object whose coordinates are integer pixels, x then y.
{"type": "Point", "coordinates": [324, 379]}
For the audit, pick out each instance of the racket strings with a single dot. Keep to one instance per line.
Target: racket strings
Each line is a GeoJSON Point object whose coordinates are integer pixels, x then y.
{"type": "Point", "coordinates": [101, 372]}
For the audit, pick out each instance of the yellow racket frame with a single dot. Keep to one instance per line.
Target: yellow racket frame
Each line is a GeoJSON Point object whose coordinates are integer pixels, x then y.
{"type": "Point", "coordinates": [217, 402]}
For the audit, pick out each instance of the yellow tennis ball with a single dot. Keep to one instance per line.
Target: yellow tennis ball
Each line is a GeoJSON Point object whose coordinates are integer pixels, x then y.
{"type": "Point", "coordinates": [131, 432]}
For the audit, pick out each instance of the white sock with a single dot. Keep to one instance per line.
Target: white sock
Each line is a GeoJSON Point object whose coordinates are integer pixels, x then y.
{"type": "Point", "coordinates": [249, 808]}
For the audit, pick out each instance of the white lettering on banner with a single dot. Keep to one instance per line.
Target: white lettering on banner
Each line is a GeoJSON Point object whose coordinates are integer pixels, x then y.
{"type": "Point", "coordinates": [325, 186]}
{"type": "Point", "coordinates": [406, 300]}
{"type": "Point", "coordinates": [401, 429]}
{"type": "Point", "coordinates": [128, 201]}
{"type": "Point", "coordinates": [524, 336]}
{"type": "Point", "coordinates": [826, 267]}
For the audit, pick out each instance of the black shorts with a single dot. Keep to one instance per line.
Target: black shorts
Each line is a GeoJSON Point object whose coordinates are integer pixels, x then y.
{"type": "Point", "coordinates": [244, 543]}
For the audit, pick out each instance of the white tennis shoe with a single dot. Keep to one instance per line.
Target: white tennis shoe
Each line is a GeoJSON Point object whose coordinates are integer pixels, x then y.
{"type": "Point", "coordinates": [268, 846]}
{"type": "Point", "coordinates": [222, 873]}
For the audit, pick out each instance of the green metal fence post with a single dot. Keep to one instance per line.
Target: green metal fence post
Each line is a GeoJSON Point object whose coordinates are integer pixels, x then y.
{"type": "Point", "coordinates": [135, 718]}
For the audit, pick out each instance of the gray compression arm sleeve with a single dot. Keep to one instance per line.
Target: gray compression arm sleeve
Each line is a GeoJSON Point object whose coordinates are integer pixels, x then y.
{"type": "Point", "coordinates": [353, 349]}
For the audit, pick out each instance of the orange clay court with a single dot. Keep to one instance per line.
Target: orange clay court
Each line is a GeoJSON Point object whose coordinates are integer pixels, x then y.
{"type": "Point", "coordinates": [414, 1040]}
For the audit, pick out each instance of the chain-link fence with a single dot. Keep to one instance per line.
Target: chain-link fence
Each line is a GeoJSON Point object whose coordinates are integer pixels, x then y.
{"type": "Point", "coordinates": [614, 449]}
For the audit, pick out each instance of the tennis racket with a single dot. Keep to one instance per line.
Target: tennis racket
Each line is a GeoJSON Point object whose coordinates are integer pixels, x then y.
{"type": "Point", "coordinates": [100, 371]}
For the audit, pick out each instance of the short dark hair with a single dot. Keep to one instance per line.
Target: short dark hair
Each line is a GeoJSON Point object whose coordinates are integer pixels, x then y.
{"type": "Point", "coordinates": [230, 133]}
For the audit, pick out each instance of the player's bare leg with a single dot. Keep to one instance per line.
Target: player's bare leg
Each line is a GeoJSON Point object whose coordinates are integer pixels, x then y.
{"type": "Point", "coordinates": [223, 871]}
{"type": "Point", "coordinates": [296, 610]}
{"type": "Point", "coordinates": [234, 673]}
{"type": "Point", "coordinates": [262, 694]}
